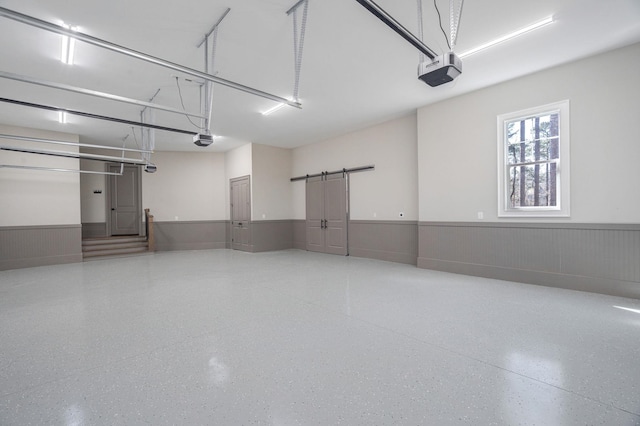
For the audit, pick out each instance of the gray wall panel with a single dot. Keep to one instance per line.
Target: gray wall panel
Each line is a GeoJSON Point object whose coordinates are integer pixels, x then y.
{"type": "Point", "coordinates": [591, 257]}
{"type": "Point", "coordinates": [94, 230]}
{"type": "Point", "coordinates": [299, 234]}
{"type": "Point", "coordinates": [269, 235]}
{"type": "Point", "coordinates": [394, 241]}
{"type": "Point", "coordinates": [192, 235]}
{"type": "Point", "coordinates": [611, 254]}
{"type": "Point", "coordinates": [27, 246]}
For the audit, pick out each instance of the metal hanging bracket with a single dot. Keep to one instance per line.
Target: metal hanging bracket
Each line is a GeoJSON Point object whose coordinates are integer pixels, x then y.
{"type": "Point", "coordinates": [96, 116]}
{"type": "Point", "coordinates": [224, 14]}
{"type": "Point", "coordinates": [54, 169]}
{"type": "Point", "coordinates": [344, 171]}
{"type": "Point", "coordinates": [109, 96]}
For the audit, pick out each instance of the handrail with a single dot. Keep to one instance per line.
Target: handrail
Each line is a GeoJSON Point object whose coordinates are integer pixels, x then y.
{"type": "Point", "coordinates": [151, 241]}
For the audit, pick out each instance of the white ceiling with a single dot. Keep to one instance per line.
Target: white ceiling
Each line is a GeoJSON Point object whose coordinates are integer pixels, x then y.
{"type": "Point", "coordinates": [355, 72]}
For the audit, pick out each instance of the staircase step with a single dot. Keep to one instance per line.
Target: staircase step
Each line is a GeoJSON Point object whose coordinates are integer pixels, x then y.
{"type": "Point", "coordinates": [113, 252]}
{"type": "Point", "coordinates": [114, 246]}
{"type": "Point", "coordinates": [96, 248]}
{"type": "Point", "coordinates": [111, 240]}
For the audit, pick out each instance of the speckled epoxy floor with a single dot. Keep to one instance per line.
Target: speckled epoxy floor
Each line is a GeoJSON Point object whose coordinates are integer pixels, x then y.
{"type": "Point", "coordinates": [295, 338]}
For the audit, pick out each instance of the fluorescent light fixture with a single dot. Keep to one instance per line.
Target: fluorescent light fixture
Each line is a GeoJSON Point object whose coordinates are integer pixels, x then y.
{"type": "Point", "coordinates": [62, 117]}
{"type": "Point", "coordinates": [68, 47]}
{"type": "Point", "coordinates": [278, 107]}
{"type": "Point", "coordinates": [637, 311]}
{"type": "Point", "coordinates": [535, 26]}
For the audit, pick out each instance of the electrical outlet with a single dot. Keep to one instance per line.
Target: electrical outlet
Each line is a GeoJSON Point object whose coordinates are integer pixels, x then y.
{"type": "Point", "coordinates": [480, 215]}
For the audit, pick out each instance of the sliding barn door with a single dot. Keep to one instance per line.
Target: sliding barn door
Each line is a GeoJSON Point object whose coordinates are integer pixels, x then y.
{"type": "Point", "coordinates": [315, 214]}
{"type": "Point", "coordinates": [335, 214]}
{"type": "Point", "coordinates": [326, 202]}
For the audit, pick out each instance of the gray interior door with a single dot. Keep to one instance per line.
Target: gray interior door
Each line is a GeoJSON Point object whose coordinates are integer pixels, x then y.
{"type": "Point", "coordinates": [326, 203]}
{"type": "Point", "coordinates": [315, 214]}
{"type": "Point", "coordinates": [124, 208]}
{"type": "Point", "coordinates": [335, 214]}
{"type": "Point", "coordinates": [240, 194]}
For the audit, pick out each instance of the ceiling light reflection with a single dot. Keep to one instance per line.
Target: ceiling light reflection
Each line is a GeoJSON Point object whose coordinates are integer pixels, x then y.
{"type": "Point", "coordinates": [68, 47]}
{"type": "Point", "coordinates": [535, 26]}
{"type": "Point", "coordinates": [637, 311]}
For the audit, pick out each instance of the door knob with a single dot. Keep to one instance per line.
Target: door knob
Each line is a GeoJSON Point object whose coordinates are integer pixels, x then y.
{"type": "Point", "coordinates": [113, 208]}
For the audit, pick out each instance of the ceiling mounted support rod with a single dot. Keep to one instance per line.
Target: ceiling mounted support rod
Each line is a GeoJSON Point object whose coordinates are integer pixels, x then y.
{"type": "Point", "coordinates": [351, 170]}
{"type": "Point", "coordinates": [38, 23]}
{"type": "Point", "coordinates": [298, 43]}
{"type": "Point", "coordinates": [206, 90]}
{"type": "Point", "coordinates": [294, 7]}
{"type": "Point", "coordinates": [224, 14]}
{"type": "Point", "coordinates": [96, 116]}
{"type": "Point", "coordinates": [79, 155]}
{"type": "Point", "coordinates": [454, 21]}
{"type": "Point", "coordinates": [52, 169]}
{"type": "Point", "coordinates": [150, 103]}
{"type": "Point", "coordinates": [86, 145]}
{"type": "Point", "coordinates": [396, 26]}
{"type": "Point", "coordinates": [45, 83]}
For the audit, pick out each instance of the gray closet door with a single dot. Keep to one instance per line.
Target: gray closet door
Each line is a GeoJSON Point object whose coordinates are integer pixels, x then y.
{"type": "Point", "coordinates": [335, 214]}
{"type": "Point", "coordinates": [125, 214]}
{"type": "Point", "coordinates": [326, 201]}
{"type": "Point", "coordinates": [240, 193]}
{"type": "Point", "coordinates": [315, 214]}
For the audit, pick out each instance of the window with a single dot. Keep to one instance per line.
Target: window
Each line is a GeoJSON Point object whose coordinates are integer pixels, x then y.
{"type": "Point", "coordinates": [533, 162]}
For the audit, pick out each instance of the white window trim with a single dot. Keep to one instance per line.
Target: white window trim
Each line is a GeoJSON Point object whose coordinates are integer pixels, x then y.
{"type": "Point", "coordinates": [563, 170]}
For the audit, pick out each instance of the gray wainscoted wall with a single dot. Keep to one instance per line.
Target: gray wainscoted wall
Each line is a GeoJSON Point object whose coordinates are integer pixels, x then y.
{"type": "Point", "coordinates": [268, 235]}
{"type": "Point", "coordinates": [190, 235]}
{"type": "Point", "coordinates": [299, 234]}
{"type": "Point", "coordinates": [28, 246]}
{"type": "Point", "coordinates": [600, 258]}
{"type": "Point", "coordinates": [394, 241]}
{"type": "Point", "coordinates": [94, 230]}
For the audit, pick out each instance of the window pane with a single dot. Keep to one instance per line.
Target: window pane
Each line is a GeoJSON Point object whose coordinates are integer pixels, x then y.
{"type": "Point", "coordinates": [532, 186]}
{"type": "Point", "coordinates": [527, 152]}
{"type": "Point", "coordinates": [532, 139]}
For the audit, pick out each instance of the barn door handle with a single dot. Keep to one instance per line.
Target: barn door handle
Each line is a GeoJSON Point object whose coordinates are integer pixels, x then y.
{"type": "Point", "coordinates": [239, 223]}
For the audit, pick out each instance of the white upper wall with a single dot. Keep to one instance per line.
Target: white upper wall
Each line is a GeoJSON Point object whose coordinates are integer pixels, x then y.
{"type": "Point", "coordinates": [93, 204]}
{"type": "Point", "coordinates": [271, 186]}
{"type": "Point", "coordinates": [31, 197]}
{"type": "Point", "coordinates": [380, 194]}
{"type": "Point", "coordinates": [457, 141]}
{"type": "Point", "coordinates": [188, 186]}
